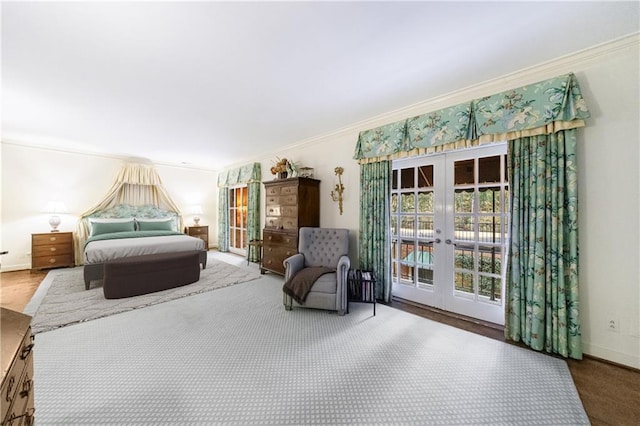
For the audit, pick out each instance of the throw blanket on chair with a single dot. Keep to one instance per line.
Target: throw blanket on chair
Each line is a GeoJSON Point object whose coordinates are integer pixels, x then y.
{"type": "Point", "coordinates": [300, 284]}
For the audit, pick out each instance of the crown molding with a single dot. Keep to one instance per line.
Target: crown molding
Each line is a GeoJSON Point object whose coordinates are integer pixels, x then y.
{"type": "Point", "coordinates": [124, 158]}
{"type": "Point", "coordinates": [530, 75]}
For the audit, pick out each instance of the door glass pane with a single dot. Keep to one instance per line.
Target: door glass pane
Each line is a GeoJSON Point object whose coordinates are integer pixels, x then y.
{"type": "Point", "coordinates": [464, 200]}
{"type": "Point", "coordinates": [489, 169]}
{"type": "Point", "coordinates": [394, 203]}
{"type": "Point", "coordinates": [490, 260]}
{"type": "Point", "coordinates": [464, 257]}
{"type": "Point", "coordinates": [425, 226]}
{"type": "Point", "coordinates": [424, 255]}
{"type": "Point", "coordinates": [425, 202]}
{"type": "Point", "coordinates": [407, 179]}
{"type": "Point", "coordinates": [394, 179]}
{"type": "Point", "coordinates": [490, 287]}
{"type": "Point", "coordinates": [407, 203]}
{"type": "Point", "coordinates": [407, 226]}
{"type": "Point", "coordinates": [464, 172]}
{"type": "Point", "coordinates": [489, 200]}
{"type": "Point", "coordinates": [394, 225]}
{"type": "Point", "coordinates": [464, 282]}
{"type": "Point", "coordinates": [463, 228]}
{"type": "Point", "coordinates": [489, 229]}
{"type": "Point", "coordinates": [425, 275]}
{"type": "Point", "coordinates": [425, 176]}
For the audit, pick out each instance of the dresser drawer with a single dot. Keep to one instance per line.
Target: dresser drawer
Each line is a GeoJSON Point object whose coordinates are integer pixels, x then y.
{"type": "Point", "coordinates": [51, 238]}
{"type": "Point", "coordinates": [279, 238]}
{"type": "Point", "coordinates": [273, 190]}
{"type": "Point", "coordinates": [289, 190]}
{"type": "Point", "coordinates": [18, 382]}
{"type": "Point", "coordinates": [273, 257]}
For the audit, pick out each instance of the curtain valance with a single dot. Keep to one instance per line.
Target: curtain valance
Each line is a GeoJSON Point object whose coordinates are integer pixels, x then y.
{"type": "Point", "coordinates": [541, 108]}
{"type": "Point", "coordinates": [246, 174]}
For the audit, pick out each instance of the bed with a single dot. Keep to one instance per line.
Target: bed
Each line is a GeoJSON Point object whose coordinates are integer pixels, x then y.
{"type": "Point", "coordinates": [127, 231]}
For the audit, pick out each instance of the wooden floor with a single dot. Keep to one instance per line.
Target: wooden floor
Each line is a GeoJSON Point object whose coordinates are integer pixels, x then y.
{"type": "Point", "coordinates": [610, 393]}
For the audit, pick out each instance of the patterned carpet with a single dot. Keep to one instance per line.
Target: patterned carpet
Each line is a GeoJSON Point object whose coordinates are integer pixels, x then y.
{"type": "Point", "coordinates": [234, 356]}
{"type": "Point", "coordinates": [66, 301]}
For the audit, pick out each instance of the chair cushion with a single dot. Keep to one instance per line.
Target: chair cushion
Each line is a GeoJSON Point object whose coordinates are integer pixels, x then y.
{"type": "Point", "coordinates": [327, 283]}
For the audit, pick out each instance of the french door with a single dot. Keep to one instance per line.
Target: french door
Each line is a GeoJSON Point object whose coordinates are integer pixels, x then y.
{"type": "Point", "coordinates": [449, 225]}
{"type": "Point", "coordinates": [238, 220]}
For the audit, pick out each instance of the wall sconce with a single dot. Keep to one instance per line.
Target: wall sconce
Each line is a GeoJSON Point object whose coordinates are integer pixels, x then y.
{"type": "Point", "coordinates": [55, 207]}
{"type": "Point", "coordinates": [336, 194]}
{"type": "Point", "coordinates": [196, 211]}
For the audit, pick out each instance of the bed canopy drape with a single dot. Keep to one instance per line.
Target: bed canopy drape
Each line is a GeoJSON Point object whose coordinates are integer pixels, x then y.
{"type": "Point", "coordinates": [539, 123]}
{"type": "Point", "coordinates": [136, 185]}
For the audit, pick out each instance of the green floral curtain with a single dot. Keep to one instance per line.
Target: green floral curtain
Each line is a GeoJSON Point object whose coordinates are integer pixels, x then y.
{"type": "Point", "coordinates": [542, 269]}
{"type": "Point", "coordinates": [539, 120]}
{"type": "Point", "coordinates": [374, 247]}
{"type": "Point", "coordinates": [250, 175]}
{"type": "Point", "coordinates": [223, 219]}
{"type": "Point", "coordinates": [253, 218]}
{"type": "Point", "coordinates": [541, 108]}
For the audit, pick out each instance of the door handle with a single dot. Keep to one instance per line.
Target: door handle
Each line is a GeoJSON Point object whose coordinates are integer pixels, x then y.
{"type": "Point", "coordinates": [438, 240]}
{"type": "Point", "coordinates": [448, 241]}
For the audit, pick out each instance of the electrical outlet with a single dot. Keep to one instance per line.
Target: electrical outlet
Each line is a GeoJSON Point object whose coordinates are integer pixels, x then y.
{"type": "Point", "coordinates": [613, 325]}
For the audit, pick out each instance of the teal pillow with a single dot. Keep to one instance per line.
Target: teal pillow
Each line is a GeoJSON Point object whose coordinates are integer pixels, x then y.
{"type": "Point", "coordinates": [98, 228]}
{"type": "Point", "coordinates": [165, 225]}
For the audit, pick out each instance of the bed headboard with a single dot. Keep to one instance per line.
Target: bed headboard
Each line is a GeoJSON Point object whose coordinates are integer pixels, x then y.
{"type": "Point", "coordinates": [122, 211]}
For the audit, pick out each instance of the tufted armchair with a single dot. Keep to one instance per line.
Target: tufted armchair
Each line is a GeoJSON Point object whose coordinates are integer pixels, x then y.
{"type": "Point", "coordinates": [326, 247]}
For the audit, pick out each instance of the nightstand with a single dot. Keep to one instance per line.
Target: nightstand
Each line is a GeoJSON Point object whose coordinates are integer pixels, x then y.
{"type": "Point", "coordinates": [52, 250]}
{"type": "Point", "coordinates": [201, 232]}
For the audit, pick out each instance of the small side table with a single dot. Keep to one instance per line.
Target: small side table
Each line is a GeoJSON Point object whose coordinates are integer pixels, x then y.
{"type": "Point", "coordinates": [258, 245]}
{"type": "Point", "coordinates": [361, 288]}
{"type": "Point", "coordinates": [199, 231]}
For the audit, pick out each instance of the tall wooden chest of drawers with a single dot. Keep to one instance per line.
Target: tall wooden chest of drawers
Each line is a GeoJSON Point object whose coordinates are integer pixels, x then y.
{"type": "Point", "coordinates": [290, 204]}
{"type": "Point", "coordinates": [17, 403]}
{"type": "Point", "coordinates": [51, 250]}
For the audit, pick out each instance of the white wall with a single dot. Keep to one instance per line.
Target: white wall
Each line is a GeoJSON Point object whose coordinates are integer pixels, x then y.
{"type": "Point", "coordinates": [33, 176]}
{"type": "Point", "coordinates": [609, 185]}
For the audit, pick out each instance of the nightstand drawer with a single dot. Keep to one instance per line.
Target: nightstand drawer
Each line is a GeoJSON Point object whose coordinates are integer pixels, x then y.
{"type": "Point", "coordinates": [51, 238]}
{"type": "Point", "coordinates": [194, 232]}
{"type": "Point", "coordinates": [51, 250]}
{"type": "Point", "coordinates": [52, 261]}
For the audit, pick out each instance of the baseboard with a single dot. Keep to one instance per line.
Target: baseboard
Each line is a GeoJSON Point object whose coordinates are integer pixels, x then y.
{"type": "Point", "coordinates": [13, 268]}
{"type": "Point", "coordinates": [612, 357]}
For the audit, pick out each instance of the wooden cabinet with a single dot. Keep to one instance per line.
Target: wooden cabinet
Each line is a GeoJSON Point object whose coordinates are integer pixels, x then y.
{"type": "Point", "coordinates": [201, 232]}
{"type": "Point", "coordinates": [17, 403]}
{"type": "Point", "coordinates": [290, 204]}
{"type": "Point", "coordinates": [51, 250]}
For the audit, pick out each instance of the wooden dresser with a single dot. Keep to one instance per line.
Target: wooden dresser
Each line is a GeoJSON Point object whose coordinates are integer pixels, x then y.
{"type": "Point", "coordinates": [201, 232]}
{"type": "Point", "coordinates": [17, 403]}
{"type": "Point", "coordinates": [51, 250]}
{"type": "Point", "coordinates": [290, 204]}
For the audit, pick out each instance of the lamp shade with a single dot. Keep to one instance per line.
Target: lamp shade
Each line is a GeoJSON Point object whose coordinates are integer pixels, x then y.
{"type": "Point", "coordinates": [196, 209]}
{"type": "Point", "coordinates": [55, 207]}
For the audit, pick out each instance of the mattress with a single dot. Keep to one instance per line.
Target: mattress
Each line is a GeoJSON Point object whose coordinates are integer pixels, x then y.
{"type": "Point", "coordinates": [104, 250]}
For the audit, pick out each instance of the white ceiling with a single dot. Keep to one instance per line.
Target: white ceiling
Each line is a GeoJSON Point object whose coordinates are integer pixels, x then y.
{"type": "Point", "coordinates": [211, 84]}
